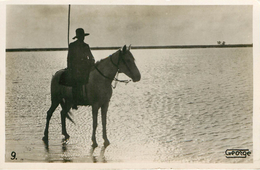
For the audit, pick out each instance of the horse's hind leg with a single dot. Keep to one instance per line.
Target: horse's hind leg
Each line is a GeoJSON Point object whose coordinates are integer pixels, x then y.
{"type": "Point", "coordinates": [63, 122]}
{"type": "Point", "coordinates": [54, 105]}
{"type": "Point", "coordinates": [65, 109]}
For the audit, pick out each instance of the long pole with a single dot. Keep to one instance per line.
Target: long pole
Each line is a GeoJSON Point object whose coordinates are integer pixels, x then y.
{"type": "Point", "coordinates": [69, 26]}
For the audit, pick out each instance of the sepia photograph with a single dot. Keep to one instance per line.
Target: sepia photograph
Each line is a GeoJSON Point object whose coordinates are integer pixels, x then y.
{"type": "Point", "coordinates": [128, 83]}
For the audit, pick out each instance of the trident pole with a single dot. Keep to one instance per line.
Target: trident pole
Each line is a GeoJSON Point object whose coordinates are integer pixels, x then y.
{"type": "Point", "coordinates": [69, 26]}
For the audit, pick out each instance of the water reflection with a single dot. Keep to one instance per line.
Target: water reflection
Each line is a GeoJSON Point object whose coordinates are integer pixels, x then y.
{"type": "Point", "coordinates": [64, 145]}
{"type": "Point", "coordinates": [101, 158]}
{"type": "Point", "coordinates": [53, 154]}
{"type": "Point", "coordinates": [65, 157]}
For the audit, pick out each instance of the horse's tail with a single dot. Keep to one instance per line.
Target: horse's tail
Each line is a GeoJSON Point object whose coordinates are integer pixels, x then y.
{"type": "Point", "coordinates": [68, 116]}
{"type": "Point", "coordinates": [56, 91]}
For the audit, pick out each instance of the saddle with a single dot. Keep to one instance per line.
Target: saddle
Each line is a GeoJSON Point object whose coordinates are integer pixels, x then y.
{"type": "Point", "coordinates": [66, 79]}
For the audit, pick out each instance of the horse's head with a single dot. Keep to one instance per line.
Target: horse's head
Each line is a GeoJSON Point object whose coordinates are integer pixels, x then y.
{"type": "Point", "coordinates": [127, 64]}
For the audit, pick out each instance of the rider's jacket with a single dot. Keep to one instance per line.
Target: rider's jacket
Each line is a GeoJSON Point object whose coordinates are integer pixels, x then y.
{"type": "Point", "coordinates": [79, 59]}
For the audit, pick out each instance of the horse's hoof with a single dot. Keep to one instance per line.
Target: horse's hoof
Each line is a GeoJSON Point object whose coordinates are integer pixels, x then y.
{"type": "Point", "coordinates": [66, 137]}
{"type": "Point", "coordinates": [65, 140]}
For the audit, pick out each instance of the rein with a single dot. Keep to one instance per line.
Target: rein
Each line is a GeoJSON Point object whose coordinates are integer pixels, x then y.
{"type": "Point", "coordinates": [116, 65]}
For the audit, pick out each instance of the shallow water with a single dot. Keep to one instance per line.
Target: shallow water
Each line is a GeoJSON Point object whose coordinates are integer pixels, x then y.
{"type": "Point", "coordinates": [190, 106]}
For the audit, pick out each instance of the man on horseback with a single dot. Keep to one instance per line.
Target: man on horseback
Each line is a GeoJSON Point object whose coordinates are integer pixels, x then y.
{"type": "Point", "coordinates": [79, 62]}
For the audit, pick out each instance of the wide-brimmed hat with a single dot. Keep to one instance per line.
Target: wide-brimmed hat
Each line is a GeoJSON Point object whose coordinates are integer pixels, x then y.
{"type": "Point", "coordinates": [80, 33]}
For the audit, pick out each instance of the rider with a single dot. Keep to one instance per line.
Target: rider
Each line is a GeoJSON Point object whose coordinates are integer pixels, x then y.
{"type": "Point", "coordinates": [79, 62]}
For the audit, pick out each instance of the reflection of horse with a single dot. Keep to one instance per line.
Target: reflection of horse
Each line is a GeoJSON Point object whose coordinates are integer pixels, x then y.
{"type": "Point", "coordinates": [98, 89]}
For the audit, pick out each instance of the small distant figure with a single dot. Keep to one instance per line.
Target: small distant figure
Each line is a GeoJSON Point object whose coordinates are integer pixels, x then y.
{"type": "Point", "coordinates": [221, 43]}
{"type": "Point", "coordinates": [79, 62]}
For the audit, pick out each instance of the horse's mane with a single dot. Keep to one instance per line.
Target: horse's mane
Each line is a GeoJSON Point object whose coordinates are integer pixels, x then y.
{"type": "Point", "coordinates": [97, 63]}
{"type": "Point", "coordinates": [101, 60]}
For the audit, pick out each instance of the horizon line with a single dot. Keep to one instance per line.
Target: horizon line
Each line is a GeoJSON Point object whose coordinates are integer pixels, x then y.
{"type": "Point", "coordinates": [133, 47]}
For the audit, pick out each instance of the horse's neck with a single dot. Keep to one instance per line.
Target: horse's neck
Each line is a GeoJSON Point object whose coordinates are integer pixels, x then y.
{"type": "Point", "coordinates": [107, 67]}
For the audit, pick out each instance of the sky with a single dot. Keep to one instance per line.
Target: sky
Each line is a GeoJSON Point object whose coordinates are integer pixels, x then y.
{"type": "Point", "coordinates": [46, 26]}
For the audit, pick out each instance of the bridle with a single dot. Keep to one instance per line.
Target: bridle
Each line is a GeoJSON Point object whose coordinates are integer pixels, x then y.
{"type": "Point", "coordinates": [120, 58]}
{"type": "Point", "coordinates": [117, 66]}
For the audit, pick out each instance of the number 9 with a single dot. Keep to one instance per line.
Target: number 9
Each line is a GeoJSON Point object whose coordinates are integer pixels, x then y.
{"type": "Point", "coordinates": [13, 154]}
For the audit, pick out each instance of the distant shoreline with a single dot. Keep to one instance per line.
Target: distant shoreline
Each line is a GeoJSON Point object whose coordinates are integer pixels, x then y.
{"type": "Point", "coordinates": [133, 47]}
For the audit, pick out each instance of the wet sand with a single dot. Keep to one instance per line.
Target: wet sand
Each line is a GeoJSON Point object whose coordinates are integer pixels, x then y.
{"type": "Point", "coordinates": [190, 106]}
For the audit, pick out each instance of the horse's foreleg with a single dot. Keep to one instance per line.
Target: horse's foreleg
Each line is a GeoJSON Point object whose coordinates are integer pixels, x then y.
{"type": "Point", "coordinates": [104, 109]}
{"type": "Point", "coordinates": [64, 111]}
{"type": "Point", "coordinates": [63, 123]}
{"type": "Point", "coordinates": [54, 105]}
{"type": "Point", "coordinates": [94, 117]}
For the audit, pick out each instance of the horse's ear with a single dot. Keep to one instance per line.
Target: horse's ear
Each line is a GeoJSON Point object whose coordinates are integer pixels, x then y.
{"type": "Point", "coordinates": [129, 48]}
{"type": "Point", "coordinates": [124, 49]}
